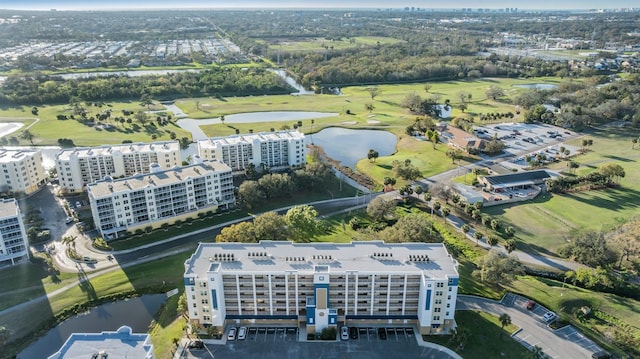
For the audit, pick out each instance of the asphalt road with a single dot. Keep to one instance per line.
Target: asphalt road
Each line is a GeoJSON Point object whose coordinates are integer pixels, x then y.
{"type": "Point", "coordinates": [535, 332]}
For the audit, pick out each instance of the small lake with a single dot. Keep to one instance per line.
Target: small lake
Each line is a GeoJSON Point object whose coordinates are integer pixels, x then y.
{"type": "Point", "coordinates": [136, 313]}
{"type": "Point", "coordinates": [349, 146]}
{"type": "Point", "coordinates": [538, 86]}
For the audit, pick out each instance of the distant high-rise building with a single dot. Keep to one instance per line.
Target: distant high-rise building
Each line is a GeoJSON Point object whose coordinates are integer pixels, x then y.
{"type": "Point", "coordinates": [80, 166]}
{"type": "Point", "coordinates": [22, 171]}
{"type": "Point", "coordinates": [14, 246]}
{"type": "Point", "coordinates": [162, 196]}
{"type": "Point", "coordinates": [272, 150]}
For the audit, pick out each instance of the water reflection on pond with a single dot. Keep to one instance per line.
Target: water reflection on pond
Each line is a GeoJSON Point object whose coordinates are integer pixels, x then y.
{"type": "Point", "coordinates": [136, 313]}
{"type": "Point", "coordinates": [538, 86]}
{"type": "Point", "coordinates": [349, 146]}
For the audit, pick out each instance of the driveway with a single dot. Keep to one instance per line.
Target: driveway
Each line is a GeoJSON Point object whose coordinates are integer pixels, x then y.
{"type": "Point", "coordinates": [564, 343]}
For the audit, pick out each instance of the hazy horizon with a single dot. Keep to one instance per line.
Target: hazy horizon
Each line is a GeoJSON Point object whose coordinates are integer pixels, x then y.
{"type": "Point", "coordinates": [216, 4]}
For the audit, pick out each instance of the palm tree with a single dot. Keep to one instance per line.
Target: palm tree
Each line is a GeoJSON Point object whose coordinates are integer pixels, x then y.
{"type": "Point", "coordinates": [445, 212]}
{"type": "Point", "coordinates": [510, 245]}
{"type": "Point", "coordinates": [478, 236]}
{"type": "Point", "coordinates": [465, 228]}
{"type": "Point", "coordinates": [505, 320]}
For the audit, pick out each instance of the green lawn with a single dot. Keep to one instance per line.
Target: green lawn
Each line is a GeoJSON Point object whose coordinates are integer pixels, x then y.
{"type": "Point", "coordinates": [48, 129]}
{"type": "Point", "coordinates": [610, 312]}
{"type": "Point", "coordinates": [167, 326]}
{"type": "Point", "coordinates": [486, 338]}
{"type": "Point", "coordinates": [543, 224]}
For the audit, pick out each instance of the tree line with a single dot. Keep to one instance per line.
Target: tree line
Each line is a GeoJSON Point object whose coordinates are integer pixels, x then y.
{"type": "Point", "coordinates": [224, 81]}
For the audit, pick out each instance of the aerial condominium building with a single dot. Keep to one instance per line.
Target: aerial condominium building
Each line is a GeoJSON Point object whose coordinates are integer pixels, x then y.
{"type": "Point", "coordinates": [162, 196]}
{"type": "Point", "coordinates": [14, 247]}
{"type": "Point", "coordinates": [80, 166]}
{"type": "Point", "coordinates": [270, 150]}
{"type": "Point", "coordinates": [319, 285]}
{"type": "Point", "coordinates": [22, 171]}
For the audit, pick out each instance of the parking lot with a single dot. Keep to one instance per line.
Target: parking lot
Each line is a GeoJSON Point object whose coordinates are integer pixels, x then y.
{"type": "Point", "coordinates": [281, 343]}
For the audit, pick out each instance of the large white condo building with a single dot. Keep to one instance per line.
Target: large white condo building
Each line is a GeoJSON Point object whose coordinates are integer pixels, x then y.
{"type": "Point", "coordinates": [14, 247]}
{"type": "Point", "coordinates": [22, 171]}
{"type": "Point", "coordinates": [162, 196]}
{"type": "Point", "coordinates": [322, 284]}
{"type": "Point", "coordinates": [272, 150]}
{"type": "Point", "coordinates": [80, 166]}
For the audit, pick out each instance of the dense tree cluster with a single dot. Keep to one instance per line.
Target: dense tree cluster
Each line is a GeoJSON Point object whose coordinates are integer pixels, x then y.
{"type": "Point", "coordinates": [607, 175]}
{"type": "Point", "coordinates": [315, 176]}
{"type": "Point", "coordinates": [227, 81]}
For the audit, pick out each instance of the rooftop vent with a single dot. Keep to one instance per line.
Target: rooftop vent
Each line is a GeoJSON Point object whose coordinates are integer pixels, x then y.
{"type": "Point", "coordinates": [419, 258]}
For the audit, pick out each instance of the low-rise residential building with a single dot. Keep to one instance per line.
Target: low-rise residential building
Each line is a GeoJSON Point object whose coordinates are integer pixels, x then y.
{"type": "Point", "coordinates": [80, 166]}
{"type": "Point", "coordinates": [270, 150]}
{"type": "Point", "coordinates": [22, 171]}
{"type": "Point", "coordinates": [14, 246]}
{"type": "Point", "coordinates": [120, 344]}
{"type": "Point", "coordinates": [318, 285]}
{"type": "Point", "coordinates": [162, 196]}
{"type": "Point", "coordinates": [459, 138]}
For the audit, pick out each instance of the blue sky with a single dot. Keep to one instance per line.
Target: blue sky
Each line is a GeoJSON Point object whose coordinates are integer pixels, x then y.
{"type": "Point", "coordinates": [120, 4]}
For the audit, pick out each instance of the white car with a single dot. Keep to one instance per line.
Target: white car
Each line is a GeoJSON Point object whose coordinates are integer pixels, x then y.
{"type": "Point", "coordinates": [242, 333]}
{"type": "Point", "coordinates": [344, 333]}
{"type": "Point", "coordinates": [549, 316]}
{"type": "Point", "coordinates": [232, 334]}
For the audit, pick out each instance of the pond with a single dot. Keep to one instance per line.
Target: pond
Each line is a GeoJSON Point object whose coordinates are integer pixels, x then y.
{"type": "Point", "coordinates": [349, 146]}
{"type": "Point", "coordinates": [136, 313]}
{"type": "Point", "coordinates": [538, 86]}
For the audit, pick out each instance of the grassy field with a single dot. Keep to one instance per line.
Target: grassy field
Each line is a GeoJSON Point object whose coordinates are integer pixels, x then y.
{"type": "Point", "coordinates": [47, 129]}
{"type": "Point", "coordinates": [543, 224]}
{"type": "Point", "coordinates": [167, 327]}
{"type": "Point", "coordinates": [388, 114]}
{"type": "Point", "coordinates": [609, 312]}
{"type": "Point", "coordinates": [487, 339]}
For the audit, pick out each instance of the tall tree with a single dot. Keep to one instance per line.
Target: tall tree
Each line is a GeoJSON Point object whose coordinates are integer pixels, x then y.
{"type": "Point", "coordinates": [505, 319]}
{"type": "Point", "coordinates": [27, 135]}
{"type": "Point", "coordinates": [381, 207]}
{"type": "Point", "coordinates": [303, 222]}
{"type": "Point", "coordinates": [270, 226]}
{"type": "Point", "coordinates": [374, 91]}
{"type": "Point", "coordinates": [494, 92]}
{"type": "Point", "coordinates": [372, 155]}
{"type": "Point", "coordinates": [498, 268]}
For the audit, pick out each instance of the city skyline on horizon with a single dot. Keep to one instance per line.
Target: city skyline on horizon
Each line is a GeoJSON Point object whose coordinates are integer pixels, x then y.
{"type": "Point", "coordinates": [328, 4]}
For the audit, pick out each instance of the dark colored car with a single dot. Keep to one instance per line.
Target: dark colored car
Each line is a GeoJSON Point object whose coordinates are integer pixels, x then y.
{"type": "Point", "coordinates": [196, 344]}
{"type": "Point", "coordinates": [353, 332]}
{"type": "Point", "coordinates": [601, 355]}
{"type": "Point", "coordinates": [530, 305]}
{"type": "Point", "coordinates": [382, 334]}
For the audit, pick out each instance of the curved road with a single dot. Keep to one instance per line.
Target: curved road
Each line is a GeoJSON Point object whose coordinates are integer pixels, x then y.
{"type": "Point", "coordinates": [564, 343]}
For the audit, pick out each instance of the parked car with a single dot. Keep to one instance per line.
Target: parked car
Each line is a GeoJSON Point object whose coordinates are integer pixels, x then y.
{"type": "Point", "coordinates": [232, 334]}
{"type": "Point", "coordinates": [382, 334]}
{"type": "Point", "coordinates": [549, 316]}
{"type": "Point", "coordinates": [530, 305]}
{"type": "Point", "coordinates": [601, 355]}
{"type": "Point", "coordinates": [68, 220]}
{"type": "Point", "coordinates": [344, 333]}
{"type": "Point", "coordinates": [78, 204]}
{"type": "Point", "coordinates": [353, 332]}
{"type": "Point", "coordinates": [196, 344]}
{"type": "Point", "coordinates": [242, 333]}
